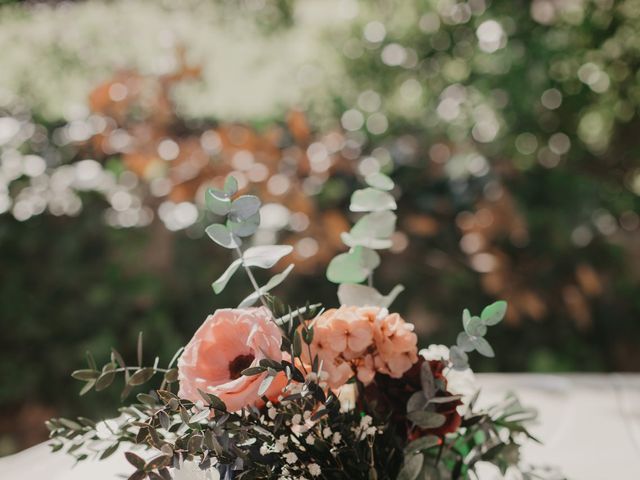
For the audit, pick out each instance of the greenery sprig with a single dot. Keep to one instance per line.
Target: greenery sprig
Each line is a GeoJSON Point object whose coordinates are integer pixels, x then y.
{"type": "Point", "coordinates": [473, 336]}
{"type": "Point", "coordinates": [241, 220]}
{"type": "Point", "coordinates": [99, 379]}
{"type": "Point", "coordinates": [372, 232]}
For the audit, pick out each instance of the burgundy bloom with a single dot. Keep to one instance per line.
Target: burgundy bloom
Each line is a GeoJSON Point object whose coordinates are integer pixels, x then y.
{"type": "Point", "coordinates": [389, 396]}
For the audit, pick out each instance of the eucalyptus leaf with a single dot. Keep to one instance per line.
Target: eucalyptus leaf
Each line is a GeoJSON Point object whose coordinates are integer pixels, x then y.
{"type": "Point", "coordinates": [134, 460]}
{"type": "Point", "coordinates": [412, 467]}
{"type": "Point", "coordinates": [474, 327]}
{"type": "Point", "coordinates": [109, 451]}
{"type": "Point", "coordinates": [426, 419]}
{"type": "Point", "coordinates": [371, 200]}
{"type": "Point", "coordinates": [494, 313]}
{"type": "Point", "coordinates": [466, 318]}
{"type": "Point", "coordinates": [171, 376]}
{"type": "Point", "coordinates": [221, 282]}
{"type": "Point", "coordinates": [230, 186]}
{"type": "Point", "coordinates": [87, 387]}
{"type": "Point", "coordinates": [276, 279]}
{"type": "Point", "coordinates": [244, 227]}
{"type": "Point", "coordinates": [265, 384]}
{"type": "Point", "coordinates": [272, 283]}
{"type": "Point", "coordinates": [222, 236]}
{"type": "Point", "coordinates": [105, 380]}
{"type": "Point", "coordinates": [146, 398]}
{"type": "Point", "coordinates": [364, 296]}
{"type": "Point", "coordinates": [379, 180]}
{"type": "Point", "coordinates": [298, 311]}
{"type": "Point", "coordinates": [465, 342]}
{"type": "Point", "coordinates": [375, 243]}
{"type": "Point", "coordinates": [427, 381]}
{"type": "Point", "coordinates": [249, 372]}
{"type": "Point", "coordinates": [483, 347]}
{"type": "Point", "coordinates": [422, 443]}
{"type": "Point", "coordinates": [244, 207]}
{"type": "Point", "coordinates": [141, 376]}
{"type": "Point", "coordinates": [359, 295]}
{"type": "Point", "coordinates": [373, 230]}
{"type": "Point", "coordinates": [354, 266]}
{"type": "Point", "coordinates": [448, 399]}
{"type": "Point", "coordinates": [416, 402]}
{"type": "Point", "coordinates": [265, 256]}
{"type": "Point", "coordinates": [218, 202]}
{"type": "Point", "coordinates": [200, 416]}
{"type": "Point", "coordinates": [86, 374]}
{"type": "Point", "coordinates": [458, 358]}
{"type": "Point", "coordinates": [249, 300]}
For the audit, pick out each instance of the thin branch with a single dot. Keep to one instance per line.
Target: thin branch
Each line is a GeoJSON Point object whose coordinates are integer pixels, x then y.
{"type": "Point", "coordinates": [253, 281]}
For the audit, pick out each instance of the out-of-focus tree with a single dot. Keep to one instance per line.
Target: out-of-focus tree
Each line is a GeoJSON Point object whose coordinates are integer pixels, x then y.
{"type": "Point", "coordinates": [519, 121]}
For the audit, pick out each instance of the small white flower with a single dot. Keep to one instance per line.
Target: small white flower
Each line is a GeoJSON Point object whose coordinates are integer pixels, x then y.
{"type": "Point", "coordinates": [310, 439]}
{"type": "Point", "coordinates": [272, 412]}
{"type": "Point", "coordinates": [280, 444]}
{"type": "Point", "coordinates": [296, 419]}
{"type": "Point", "coordinates": [366, 421]}
{"type": "Point", "coordinates": [291, 457]}
{"type": "Point", "coordinates": [435, 352]}
{"type": "Point", "coordinates": [326, 432]}
{"type": "Point", "coordinates": [336, 438]}
{"type": "Point", "coordinates": [314, 469]}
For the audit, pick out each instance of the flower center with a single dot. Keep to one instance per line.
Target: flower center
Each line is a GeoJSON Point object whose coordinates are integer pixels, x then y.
{"type": "Point", "coordinates": [238, 364]}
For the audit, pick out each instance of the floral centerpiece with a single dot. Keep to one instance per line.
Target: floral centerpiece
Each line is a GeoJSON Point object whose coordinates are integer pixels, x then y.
{"type": "Point", "coordinates": [305, 392]}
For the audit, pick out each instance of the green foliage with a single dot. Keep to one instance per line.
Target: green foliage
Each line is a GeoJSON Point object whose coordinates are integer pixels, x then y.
{"type": "Point", "coordinates": [475, 329]}
{"type": "Point", "coordinates": [358, 443]}
{"type": "Point", "coordinates": [242, 220]}
{"type": "Point", "coordinates": [371, 232]}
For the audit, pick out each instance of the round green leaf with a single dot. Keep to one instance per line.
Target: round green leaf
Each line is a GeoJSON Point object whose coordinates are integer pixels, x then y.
{"type": "Point", "coordinates": [474, 326]}
{"type": "Point", "coordinates": [379, 180]}
{"type": "Point", "coordinates": [218, 202]}
{"type": "Point", "coordinates": [222, 236]}
{"type": "Point", "coordinates": [244, 207]}
{"type": "Point", "coordinates": [465, 342]}
{"type": "Point", "coordinates": [230, 186]}
{"type": "Point", "coordinates": [482, 346]}
{"type": "Point", "coordinates": [265, 256]}
{"type": "Point", "coordinates": [371, 200]}
{"type": "Point", "coordinates": [458, 358]}
{"type": "Point", "coordinates": [244, 227]}
{"type": "Point", "coordinates": [494, 313]}
{"type": "Point", "coordinates": [426, 419]}
{"type": "Point", "coordinates": [353, 266]}
{"type": "Point", "coordinates": [412, 467]}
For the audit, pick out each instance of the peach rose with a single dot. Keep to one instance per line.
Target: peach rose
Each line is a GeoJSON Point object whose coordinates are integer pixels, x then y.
{"type": "Point", "coordinates": [228, 342]}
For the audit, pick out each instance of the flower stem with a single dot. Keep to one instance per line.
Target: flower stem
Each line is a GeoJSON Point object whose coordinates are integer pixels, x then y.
{"type": "Point", "coordinates": [253, 281]}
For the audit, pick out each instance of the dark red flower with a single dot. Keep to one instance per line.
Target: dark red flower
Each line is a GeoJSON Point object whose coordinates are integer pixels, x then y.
{"type": "Point", "coordinates": [389, 396]}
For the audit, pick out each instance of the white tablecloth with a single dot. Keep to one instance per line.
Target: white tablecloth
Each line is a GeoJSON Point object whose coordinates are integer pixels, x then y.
{"type": "Point", "coordinates": [590, 425]}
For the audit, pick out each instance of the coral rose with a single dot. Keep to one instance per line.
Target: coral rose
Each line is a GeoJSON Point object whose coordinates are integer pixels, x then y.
{"type": "Point", "coordinates": [228, 342]}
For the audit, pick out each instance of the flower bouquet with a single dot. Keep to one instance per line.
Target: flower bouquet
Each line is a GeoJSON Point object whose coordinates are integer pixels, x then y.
{"type": "Point", "coordinates": [305, 392]}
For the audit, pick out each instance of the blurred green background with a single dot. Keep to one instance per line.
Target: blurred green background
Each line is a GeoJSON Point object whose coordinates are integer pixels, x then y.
{"type": "Point", "coordinates": [511, 129]}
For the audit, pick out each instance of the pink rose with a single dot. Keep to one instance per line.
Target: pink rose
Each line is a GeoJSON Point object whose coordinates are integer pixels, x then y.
{"type": "Point", "coordinates": [228, 342]}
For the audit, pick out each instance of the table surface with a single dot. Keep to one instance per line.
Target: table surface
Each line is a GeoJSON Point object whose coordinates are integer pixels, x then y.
{"type": "Point", "coordinates": [589, 423]}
